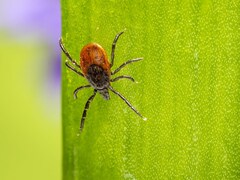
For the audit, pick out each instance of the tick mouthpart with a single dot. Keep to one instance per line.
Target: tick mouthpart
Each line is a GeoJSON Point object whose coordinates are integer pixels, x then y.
{"type": "Point", "coordinates": [104, 92]}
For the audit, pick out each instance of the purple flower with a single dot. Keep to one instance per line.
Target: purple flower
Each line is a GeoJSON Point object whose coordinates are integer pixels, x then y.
{"type": "Point", "coordinates": [40, 22]}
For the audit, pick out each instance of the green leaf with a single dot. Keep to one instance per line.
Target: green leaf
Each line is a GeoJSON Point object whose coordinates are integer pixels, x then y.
{"type": "Point", "coordinates": [188, 88]}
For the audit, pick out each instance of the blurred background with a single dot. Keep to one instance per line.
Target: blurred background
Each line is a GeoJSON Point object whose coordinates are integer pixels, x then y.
{"type": "Point", "coordinates": [30, 127]}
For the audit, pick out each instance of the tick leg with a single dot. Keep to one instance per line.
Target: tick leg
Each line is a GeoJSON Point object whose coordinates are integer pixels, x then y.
{"type": "Point", "coordinates": [78, 89]}
{"type": "Point", "coordinates": [127, 102]}
{"type": "Point", "coordinates": [86, 108]}
{"type": "Point", "coordinates": [73, 69]}
{"type": "Point", "coordinates": [67, 53]}
{"type": "Point", "coordinates": [122, 77]}
{"type": "Point", "coordinates": [126, 63]}
{"type": "Point", "coordinates": [114, 45]}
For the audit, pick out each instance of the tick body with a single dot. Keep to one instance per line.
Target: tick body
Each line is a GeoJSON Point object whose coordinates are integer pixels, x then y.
{"type": "Point", "coordinates": [95, 67]}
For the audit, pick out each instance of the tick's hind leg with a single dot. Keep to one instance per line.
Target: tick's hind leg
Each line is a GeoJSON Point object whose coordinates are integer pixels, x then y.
{"type": "Point", "coordinates": [73, 69]}
{"type": "Point", "coordinates": [126, 63]}
{"type": "Point", "coordinates": [122, 77]}
{"type": "Point", "coordinates": [114, 45]}
{"type": "Point", "coordinates": [67, 53]}
{"type": "Point", "coordinates": [86, 108]}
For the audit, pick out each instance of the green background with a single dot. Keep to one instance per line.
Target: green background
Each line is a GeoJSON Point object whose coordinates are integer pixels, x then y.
{"type": "Point", "coordinates": [30, 129]}
{"type": "Point", "coordinates": [188, 88]}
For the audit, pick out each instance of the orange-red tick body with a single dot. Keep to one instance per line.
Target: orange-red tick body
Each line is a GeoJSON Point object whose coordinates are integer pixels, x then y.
{"type": "Point", "coordinates": [96, 67]}
{"type": "Point", "coordinates": [93, 53]}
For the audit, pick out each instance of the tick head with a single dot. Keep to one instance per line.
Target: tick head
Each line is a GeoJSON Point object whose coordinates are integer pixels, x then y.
{"type": "Point", "coordinates": [105, 94]}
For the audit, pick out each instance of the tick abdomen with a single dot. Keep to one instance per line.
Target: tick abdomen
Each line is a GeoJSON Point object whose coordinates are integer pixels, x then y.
{"type": "Point", "coordinates": [93, 53]}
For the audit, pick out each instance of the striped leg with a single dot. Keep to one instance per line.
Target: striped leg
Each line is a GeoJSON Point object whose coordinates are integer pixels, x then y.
{"type": "Point", "coordinates": [124, 64]}
{"type": "Point", "coordinates": [67, 53]}
{"type": "Point", "coordinates": [73, 69]}
{"type": "Point", "coordinates": [127, 102]}
{"type": "Point", "coordinates": [122, 77]}
{"type": "Point", "coordinates": [114, 45]}
{"type": "Point", "coordinates": [78, 89]}
{"type": "Point", "coordinates": [86, 108]}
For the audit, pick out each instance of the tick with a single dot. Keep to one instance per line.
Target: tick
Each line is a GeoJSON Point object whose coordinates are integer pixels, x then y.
{"type": "Point", "coordinates": [95, 67]}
